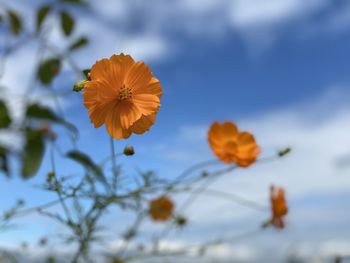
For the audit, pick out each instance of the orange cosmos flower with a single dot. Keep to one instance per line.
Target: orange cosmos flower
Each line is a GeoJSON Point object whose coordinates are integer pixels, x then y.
{"type": "Point", "coordinates": [232, 146]}
{"type": "Point", "coordinates": [123, 95]}
{"type": "Point", "coordinates": [278, 206]}
{"type": "Point", "coordinates": [161, 209]}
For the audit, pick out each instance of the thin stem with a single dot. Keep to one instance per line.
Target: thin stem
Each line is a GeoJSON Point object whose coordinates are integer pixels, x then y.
{"type": "Point", "coordinates": [37, 208]}
{"type": "Point", "coordinates": [114, 164]}
{"type": "Point", "coordinates": [192, 169]}
{"type": "Point", "coordinates": [58, 190]}
{"type": "Point", "coordinates": [229, 196]}
{"type": "Point", "coordinates": [108, 158]}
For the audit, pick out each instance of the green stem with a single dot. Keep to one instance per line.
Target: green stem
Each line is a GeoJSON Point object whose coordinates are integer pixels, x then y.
{"type": "Point", "coordinates": [58, 190]}
{"type": "Point", "coordinates": [114, 164]}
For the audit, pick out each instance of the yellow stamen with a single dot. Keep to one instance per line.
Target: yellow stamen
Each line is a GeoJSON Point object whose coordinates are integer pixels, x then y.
{"type": "Point", "coordinates": [125, 92]}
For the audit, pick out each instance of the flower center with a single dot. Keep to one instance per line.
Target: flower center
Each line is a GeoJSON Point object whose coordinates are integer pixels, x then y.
{"type": "Point", "coordinates": [125, 92]}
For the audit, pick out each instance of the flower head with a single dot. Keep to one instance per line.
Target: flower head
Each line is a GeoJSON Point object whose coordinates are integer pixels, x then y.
{"type": "Point", "coordinates": [278, 206]}
{"type": "Point", "coordinates": [161, 209]}
{"type": "Point", "coordinates": [123, 95]}
{"type": "Point", "coordinates": [231, 145]}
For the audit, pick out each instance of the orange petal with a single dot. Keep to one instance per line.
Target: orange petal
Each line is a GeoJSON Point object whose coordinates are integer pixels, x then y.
{"type": "Point", "coordinates": [125, 62]}
{"type": "Point", "coordinates": [138, 77]}
{"type": "Point", "coordinates": [98, 114]}
{"type": "Point", "coordinates": [245, 138]}
{"type": "Point", "coordinates": [143, 124]}
{"type": "Point", "coordinates": [108, 72]}
{"type": "Point", "coordinates": [229, 130]}
{"type": "Point", "coordinates": [129, 114]}
{"type": "Point", "coordinates": [147, 103]}
{"type": "Point", "coordinates": [214, 132]}
{"type": "Point", "coordinates": [113, 125]}
{"type": "Point", "coordinates": [153, 87]}
{"type": "Point", "coordinates": [96, 91]}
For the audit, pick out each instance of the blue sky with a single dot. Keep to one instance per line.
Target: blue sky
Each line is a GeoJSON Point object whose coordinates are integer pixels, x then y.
{"type": "Point", "coordinates": [278, 68]}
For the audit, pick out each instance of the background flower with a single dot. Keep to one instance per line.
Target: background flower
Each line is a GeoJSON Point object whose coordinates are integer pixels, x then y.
{"type": "Point", "coordinates": [161, 209]}
{"type": "Point", "coordinates": [232, 146]}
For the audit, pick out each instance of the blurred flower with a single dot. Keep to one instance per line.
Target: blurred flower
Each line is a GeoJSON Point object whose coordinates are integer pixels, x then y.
{"type": "Point", "coordinates": [161, 209]}
{"type": "Point", "coordinates": [129, 150]}
{"type": "Point", "coordinates": [232, 146]}
{"type": "Point", "coordinates": [278, 206]}
{"type": "Point", "coordinates": [123, 94]}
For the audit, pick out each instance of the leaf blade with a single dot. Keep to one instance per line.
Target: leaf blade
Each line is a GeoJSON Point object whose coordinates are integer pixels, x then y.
{"type": "Point", "coordinates": [41, 15]}
{"type": "Point", "coordinates": [4, 165]}
{"type": "Point", "coordinates": [67, 23]}
{"type": "Point", "coordinates": [15, 22]}
{"type": "Point", "coordinates": [5, 119]}
{"type": "Point", "coordinates": [36, 111]}
{"type": "Point", "coordinates": [79, 43]}
{"type": "Point", "coordinates": [86, 162]}
{"type": "Point", "coordinates": [33, 153]}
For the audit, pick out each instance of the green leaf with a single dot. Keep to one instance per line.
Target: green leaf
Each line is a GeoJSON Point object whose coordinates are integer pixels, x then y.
{"type": "Point", "coordinates": [15, 22]}
{"type": "Point", "coordinates": [67, 23]}
{"type": "Point", "coordinates": [76, 2]}
{"type": "Point", "coordinates": [4, 167]}
{"type": "Point", "coordinates": [42, 14]}
{"type": "Point", "coordinates": [37, 111]}
{"type": "Point", "coordinates": [81, 42]}
{"type": "Point", "coordinates": [5, 119]}
{"type": "Point", "coordinates": [33, 153]}
{"type": "Point", "coordinates": [86, 161]}
{"type": "Point", "coordinates": [40, 112]}
{"type": "Point", "coordinates": [48, 70]}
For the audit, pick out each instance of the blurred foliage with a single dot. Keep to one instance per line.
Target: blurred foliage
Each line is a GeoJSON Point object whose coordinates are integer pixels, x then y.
{"type": "Point", "coordinates": [5, 119]}
{"type": "Point", "coordinates": [15, 22]}
{"type": "Point", "coordinates": [33, 153]}
{"type": "Point", "coordinates": [67, 23]}
{"type": "Point", "coordinates": [79, 43]}
{"type": "Point", "coordinates": [42, 14]}
{"type": "Point", "coordinates": [48, 70]}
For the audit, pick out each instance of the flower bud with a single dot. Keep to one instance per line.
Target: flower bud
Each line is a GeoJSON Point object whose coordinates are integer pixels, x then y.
{"type": "Point", "coordinates": [50, 176]}
{"type": "Point", "coordinates": [79, 86]}
{"type": "Point", "coordinates": [129, 150]}
{"type": "Point", "coordinates": [284, 152]}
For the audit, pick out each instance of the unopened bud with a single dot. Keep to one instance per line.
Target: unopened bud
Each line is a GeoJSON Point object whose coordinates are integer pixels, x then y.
{"type": "Point", "coordinates": [79, 86]}
{"type": "Point", "coordinates": [284, 152]}
{"type": "Point", "coordinates": [181, 221]}
{"type": "Point", "coordinates": [129, 150]}
{"type": "Point", "coordinates": [50, 176]}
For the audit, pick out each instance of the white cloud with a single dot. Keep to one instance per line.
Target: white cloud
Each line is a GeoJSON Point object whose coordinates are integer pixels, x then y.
{"type": "Point", "coordinates": [152, 31]}
{"type": "Point", "coordinates": [257, 22]}
{"type": "Point", "coordinates": [247, 13]}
